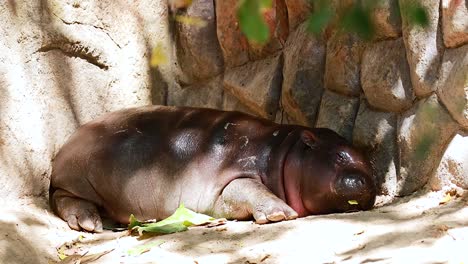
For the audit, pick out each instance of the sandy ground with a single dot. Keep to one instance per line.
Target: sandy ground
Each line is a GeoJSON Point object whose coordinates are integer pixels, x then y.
{"type": "Point", "coordinates": [415, 229]}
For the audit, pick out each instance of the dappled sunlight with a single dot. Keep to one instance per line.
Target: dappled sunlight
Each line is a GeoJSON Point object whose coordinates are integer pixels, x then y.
{"type": "Point", "coordinates": [22, 128]}
{"type": "Point", "coordinates": [414, 229]}
{"type": "Point", "coordinates": [30, 233]}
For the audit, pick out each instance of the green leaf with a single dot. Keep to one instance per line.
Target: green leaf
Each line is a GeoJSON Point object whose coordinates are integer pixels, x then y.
{"type": "Point", "coordinates": [319, 19]}
{"type": "Point", "coordinates": [138, 250]}
{"type": "Point", "coordinates": [358, 20]}
{"type": "Point", "coordinates": [158, 55]}
{"type": "Point", "coordinates": [191, 21]}
{"type": "Point", "coordinates": [133, 222]}
{"type": "Point", "coordinates": [186, 216]}
{"type": "Point", "coordinates": [162, 229]}
{"type": "Point", "coordinates": [424, 145]}
{"type": "Point", "coordinates": [177, 222]}
{"type": "Point", "coordinates": [415, 13]}
{"type": "Point", "coordinates": [251, 20]}
{"type": "Point", "coordinates": [418, 16]}
{"type": "Point", "coordinates": [61, 254]}
{"type": "Point", "coordinates": [265, 3]}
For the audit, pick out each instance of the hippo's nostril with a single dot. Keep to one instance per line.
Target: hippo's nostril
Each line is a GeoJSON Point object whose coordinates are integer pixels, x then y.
{"type": "Point", "coordinates": [354, 189]}
{"type": "Point", "coordinates": [350, 183]}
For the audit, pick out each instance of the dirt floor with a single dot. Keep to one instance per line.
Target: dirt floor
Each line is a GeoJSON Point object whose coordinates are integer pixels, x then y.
{"type": "Point", "coordinates": [427, 227]}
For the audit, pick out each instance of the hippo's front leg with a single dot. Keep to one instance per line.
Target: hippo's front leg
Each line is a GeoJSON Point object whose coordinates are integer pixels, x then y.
{"type": "Point", "coordinates": [243, 198]}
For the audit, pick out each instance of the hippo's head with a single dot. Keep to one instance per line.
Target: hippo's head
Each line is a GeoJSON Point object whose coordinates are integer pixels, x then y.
{"type": "Point", "coordinates": [323, 174]}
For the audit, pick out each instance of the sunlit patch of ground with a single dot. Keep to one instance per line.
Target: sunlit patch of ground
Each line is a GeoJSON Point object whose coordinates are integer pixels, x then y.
{"type": "Point", "coordinates": [423, 228]}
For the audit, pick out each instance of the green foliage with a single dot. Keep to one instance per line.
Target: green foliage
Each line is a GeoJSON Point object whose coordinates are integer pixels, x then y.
{"type": "Point", "coordinates": [251, 20]}
{"type": "Point", "coordinates": [424, 145]}
{"type": "Point", "coordinates": [317, 21]}
{"type": "Point", "coordinates": [415, 13]}
{"type": "Point", "coordinates": [426, 141]}
{"type": "Point", "coordinates": [355, 19]}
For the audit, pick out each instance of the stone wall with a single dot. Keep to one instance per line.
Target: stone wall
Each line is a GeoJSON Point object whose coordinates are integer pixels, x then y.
{"type": "Point", "coordinates": [403, 96]}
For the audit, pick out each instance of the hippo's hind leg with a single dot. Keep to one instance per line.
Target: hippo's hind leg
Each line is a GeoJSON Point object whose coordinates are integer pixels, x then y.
{"type": "Point", "coordinates": [245, 197]}
{"type": "Point", "coordinates": [78, 213]}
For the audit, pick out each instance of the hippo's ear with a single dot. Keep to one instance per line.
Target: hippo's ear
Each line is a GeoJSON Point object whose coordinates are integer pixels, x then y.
{"type": "Point", "coordinates": [309, 138]}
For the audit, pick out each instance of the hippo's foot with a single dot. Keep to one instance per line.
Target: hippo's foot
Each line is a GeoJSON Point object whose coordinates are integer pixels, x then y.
{"type": "Point", "coordinates": [244, 197]}
{"type": "Point", "coordinates": [78, 213]}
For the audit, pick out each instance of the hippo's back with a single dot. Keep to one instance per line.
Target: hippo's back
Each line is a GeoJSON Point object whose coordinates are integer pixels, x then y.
{"type": "Point", "coordinates": [148, 160]}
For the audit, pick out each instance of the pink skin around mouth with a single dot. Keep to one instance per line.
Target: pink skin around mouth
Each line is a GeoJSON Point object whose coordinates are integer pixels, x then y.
{"type": "Point", "coordinates": [293, 192]}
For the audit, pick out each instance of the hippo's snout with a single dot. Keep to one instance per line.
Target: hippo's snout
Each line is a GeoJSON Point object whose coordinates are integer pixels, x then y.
{"type": "Point", "coordinates": [355, 191]}
{"type": "Point", "coordinates": [350, 183]}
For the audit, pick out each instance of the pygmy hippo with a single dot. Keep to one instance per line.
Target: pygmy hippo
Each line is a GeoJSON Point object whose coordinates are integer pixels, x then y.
{"type": "Point", "coordinates": [147, 161]}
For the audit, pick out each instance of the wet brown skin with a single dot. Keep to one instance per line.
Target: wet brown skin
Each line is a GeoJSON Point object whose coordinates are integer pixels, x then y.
{"type": "Point", "coordinates": [146, 161]}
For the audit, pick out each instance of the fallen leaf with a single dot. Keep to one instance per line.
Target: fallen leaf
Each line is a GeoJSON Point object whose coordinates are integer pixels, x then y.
{"type": "Point", "coordinates": [265, 257]}
{"type": "Point", "coordinates": [217, 222]}
{"type": "Point", "coordinates": [71, 248]}
{"type": "Point", "coordinates": [158, 56]}
{"type": "Point", "coordinates": [442, 227]}
{"type": "Point", "coordinates": [133, 222]}
{"type": "Point", "coordinates": [191, 21]}
{"type": "Point", "coordinates": [188, 217]}
{"type": "Point", "coordinates": [161, 229]}
{"type": "Point", "coordinates": [221, 229]}
{"type": "Point", "coordinates": [138, 250]}
{"type": "Point", "coordinates": [83, 259]}
{"type": "Point", "coordinates": [359, 233]}
{"type": "Point", "coordinates": [179, 221]}
{"type": "Point", "coordinates": [447, 198]}
{"type": "Point", "coordinates": [61, 255]}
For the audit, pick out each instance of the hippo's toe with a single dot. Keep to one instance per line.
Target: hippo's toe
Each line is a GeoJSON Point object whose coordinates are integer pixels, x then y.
{"type": "Point", "coordinates": [273, 210]}
{"type": "Point", "coordinates": [78, 213]}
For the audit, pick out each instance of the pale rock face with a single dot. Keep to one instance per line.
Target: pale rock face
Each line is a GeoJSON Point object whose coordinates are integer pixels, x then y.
{"type": "Point", "coordinates": [337, 113]}
{"type": "Point", "coordinates": [257, 84]}
{"type": "Point", "coordinates": [302, 88]}
{"type": "Point", "coordinates": [423, 133]}
{"type": "Point", "coordinates": [453, 84]}
{"type": "Point", "coordinates": [231, 103]}
{"type": "Point", "coordinates": [375, 133]}
{"type": "Point", "coordinates": [343, 64]}
{"type": "Point", "coordinates": [455, 22]}
{"type": "Point", "coordinates": [385, 76]}
{"type": "Point", "coordinates": [424, 48]}
{"type": "Point", "coordinates": [387, 21]}
{"type": "Point", "coordinates": [276, 18]}
{"type": "Point", "coordinates": [205, 94]}
{"type": "Point", "coordinates": [297, 12]}
{"type": "Point", "coordinates": [453, 168]}
{"type": "Point", "coordinates": [233, 43]}
{"type": "Point", "coordinates": [197, 45]}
